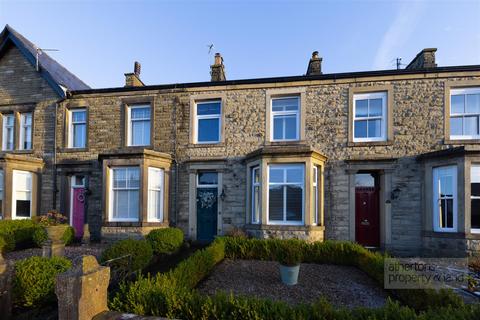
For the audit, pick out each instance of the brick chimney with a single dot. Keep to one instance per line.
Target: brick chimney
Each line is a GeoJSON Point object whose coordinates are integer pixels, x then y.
{"type": "Point", "coordinates": [217, 70]}
{"type": "Point", "coordinates": [133, 79]}
{"type": "Point", "coordinates": [314, 65]}
{"type": "Point", "coordinates": [425, 59]}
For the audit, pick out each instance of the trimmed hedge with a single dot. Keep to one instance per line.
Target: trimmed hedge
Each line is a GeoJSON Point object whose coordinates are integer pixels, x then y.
{"type": "Point", "coordinates": [34, 280]}
{"type": "Point", "coordinates": [17, 233]}
{"type": "Point", "coordinates": [40, 236]}
{"type": "Point", "coordinates": [171, 295]}
{"type": "Point", "coordinates": [165, 241]}
{"type": "Point", "coordinates": [139, 253]}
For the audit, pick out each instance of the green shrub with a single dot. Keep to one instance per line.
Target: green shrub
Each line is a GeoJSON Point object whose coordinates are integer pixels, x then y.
{"type": "Point", "coordinates": [40, 236]}
{"type": "Point", "coordinates": [289, 253]}
{"type": "Point", "coordinates": [7, 242]}
{"type": "Point", "coordinates": [139, 254]}
{"type": "Point", "coordinates": [165, 241]}
{"type": "Point", "coordinates": [17, 233]}
{"type": "Point", "coordinates": [34, 280]}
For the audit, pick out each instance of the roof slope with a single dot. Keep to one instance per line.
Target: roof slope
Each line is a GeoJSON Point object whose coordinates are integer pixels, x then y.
{"type": "Point", "coordinates": [54, 72]}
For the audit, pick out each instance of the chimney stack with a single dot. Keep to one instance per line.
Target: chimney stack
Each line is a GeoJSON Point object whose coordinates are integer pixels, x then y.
{"type": "Point", "coordinates": [217, 70]}
{"type": "Point", "coordinates": [425, 59]}
{"type": "Point", "coordinates": [315, 65]}
{"type": "Point", "coordinates": [133, 79]}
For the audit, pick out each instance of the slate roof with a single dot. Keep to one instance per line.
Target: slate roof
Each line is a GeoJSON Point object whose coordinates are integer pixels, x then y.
{"type": "Point", "coordinates": [54, 72]}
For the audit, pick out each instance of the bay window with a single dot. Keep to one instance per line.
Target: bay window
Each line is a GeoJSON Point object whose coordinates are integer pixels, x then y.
{"type": "Point", "coordinates": [21, 194]}
{"type": "Point", "coordinates": [155, 194]}
{"type": "Point", "coordinates": [285, 119]}
{"type": "Point", "coordinates": [445, 199]}
{"type": "Point", "coordinates": [139, 124]}
{"type": "Point", "coordinates": [124, 193]}
{"type": "Point", "coordinates": [286, 194]}
{"type": "Point", "coordinates": [465, 113]}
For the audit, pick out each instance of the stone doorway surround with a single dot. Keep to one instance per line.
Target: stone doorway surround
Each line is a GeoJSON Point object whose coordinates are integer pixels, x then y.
{"type": "Point", "coordinates": [218, 166]}
{"type": "Point", "coordinates": [384, 169]}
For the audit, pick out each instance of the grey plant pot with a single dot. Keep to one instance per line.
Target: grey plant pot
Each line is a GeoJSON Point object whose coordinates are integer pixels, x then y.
{"type": "Point", "coordinates": [289, 274]}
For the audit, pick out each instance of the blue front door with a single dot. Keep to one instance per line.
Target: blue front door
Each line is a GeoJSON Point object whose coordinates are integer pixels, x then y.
{"type": "Point", "coordinates": [207, 206]}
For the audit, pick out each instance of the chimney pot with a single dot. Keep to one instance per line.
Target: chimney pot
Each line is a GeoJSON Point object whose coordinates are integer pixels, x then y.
{"type": "Point", "coordinates": [137, 68]}
{"type": "Point", "coordinates": [314, 65]}
{"type": "Point", "coordinates": [217, 70]}
{"type": "Point", "coordinates": [133, 79]}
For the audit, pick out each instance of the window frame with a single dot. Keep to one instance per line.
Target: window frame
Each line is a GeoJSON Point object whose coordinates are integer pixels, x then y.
{"type": "Point", "coordinates": [71, 124]}
{"type": "Point", "coordinates": [197, 119]}
{"type": "Point", "coordinates": [151, 217]}
{"type": "Point", "coordinates": [437, 172]}
{"type": "Point", "coordinates": [473, 230]}
{"type": "Point", "coordinates": [297, 114]}
{"type": "Point", "coordinates": [129, 123]}
{"type": "Point", "coordinates": [383, 118]}
{"type": "Point", "coordinates": [4, 131]}
{"type": "Point", "coordinates": [285, 221]}
{"type": "Point", "coordinates": [111, 190]}
{"type": "Point", "coordinates": [252, 195]}
{"type": "Point", "coordinates": [23, 126]}
{"type": "Point", "coordinates": [315, 194]}
{"type": "Point", "coordinates": [14, 194]}
{"type": "Point", "coordinates": [462, 91]}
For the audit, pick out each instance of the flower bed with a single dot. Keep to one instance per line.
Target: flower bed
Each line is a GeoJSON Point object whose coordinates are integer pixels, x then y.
{"type": "Point", "coordinates": [172, 295]}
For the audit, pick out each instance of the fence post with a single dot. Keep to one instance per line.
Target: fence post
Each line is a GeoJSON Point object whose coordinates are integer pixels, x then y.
{"type": "Point", "coordinates": [82, 290]}
{"type": "Point", "coordinates": [6, 274]}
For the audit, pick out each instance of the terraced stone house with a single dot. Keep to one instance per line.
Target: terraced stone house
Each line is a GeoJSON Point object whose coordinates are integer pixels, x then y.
{"type": "Point", "coordinates": [388, 158]}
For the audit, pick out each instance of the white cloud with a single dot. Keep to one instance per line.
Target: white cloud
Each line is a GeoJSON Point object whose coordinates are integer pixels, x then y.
{"type": "Point", "coordinates": [398, 34]}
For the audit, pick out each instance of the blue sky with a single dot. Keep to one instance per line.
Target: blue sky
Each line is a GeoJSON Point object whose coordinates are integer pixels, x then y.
{"type": "Point", "coordinates": [99, 40]}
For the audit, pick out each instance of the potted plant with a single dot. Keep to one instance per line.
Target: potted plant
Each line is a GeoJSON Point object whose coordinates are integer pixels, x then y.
{"type": "Point", "coordinates": [54, 224]}
{"type": "Point", "coordinates": [289, 256]}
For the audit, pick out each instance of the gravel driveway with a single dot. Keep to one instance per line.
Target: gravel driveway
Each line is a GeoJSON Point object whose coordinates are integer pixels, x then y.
{"type": "Point", "coordinates": [70, 252]}
{"type": "Point", "coordinates": [341, 285]}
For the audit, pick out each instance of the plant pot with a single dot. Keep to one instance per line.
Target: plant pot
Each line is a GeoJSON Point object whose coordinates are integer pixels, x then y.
{"type": "Point", "coordinates": [55, 233]}
{"type": "Point", "coordinates": [289, 274]}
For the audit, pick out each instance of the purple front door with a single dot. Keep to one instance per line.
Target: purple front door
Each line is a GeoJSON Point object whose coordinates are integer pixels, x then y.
{"type": "Point", "coordinates": [78, 210]}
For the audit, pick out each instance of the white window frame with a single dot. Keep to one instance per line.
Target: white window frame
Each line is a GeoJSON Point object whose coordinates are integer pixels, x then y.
{"type": "Point", "coordinates": [473, 230]}
{"type": "Point", "coordinates": [437, 173]}
{"type": "Point", "coordinates": [152, 216]}
{"type": "Point", "coordinates": [129, 125]}
{"type": "Point", "coordinates": [14, 193]}
{"type": "Point", "coordinates": [72, 124]}
{"type": "Point", "coordinates": [110, 195]}
{"type": "Point", "coordinates": [4, 132]}
{"type": "Point", "coordinates": [285, 221]}
{"type": "Point", "coordinates": [296, 113]}
{"type": "Point", "coordinates": [23, 128]}
{"type": "Point", "coordinates": [465, 92]}
{"type": "Point", "coordinates": [252, 192]}
{"type": "Point", "coordinates": [315, 194]}
{"type": "Point", "coordinates": [205, 117]}
{"type": "Point", "coordinates": [369, 96]}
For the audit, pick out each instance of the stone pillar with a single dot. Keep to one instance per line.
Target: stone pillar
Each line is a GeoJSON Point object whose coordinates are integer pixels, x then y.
{"type": "Point", "coordinates": [50, 249]}
{"type": "Point", "coordinates": [82, 290]}
{"type": "Point", "coordinates": [6, 275]}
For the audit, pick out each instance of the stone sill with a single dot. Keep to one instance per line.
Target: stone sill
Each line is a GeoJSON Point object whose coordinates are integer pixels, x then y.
{"type": "Point", "coordinates": [73, 150]}
{"type": "Point", "coordinates": [370, 143]}
{"type": "Point", "coordinates": [134, 224]}
{"type": "Point", "coordinates": [451, 235]}
{"type": "Point", "coordinates": [460, 142]}
{"type": "Point", "coordinates": [284, 227]}
{"type": "Point", "coordinates": [207, 145]}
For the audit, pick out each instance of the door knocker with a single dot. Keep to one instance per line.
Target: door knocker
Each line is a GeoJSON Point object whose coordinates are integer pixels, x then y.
{"type": "Point", "coordinates": [81, 197]}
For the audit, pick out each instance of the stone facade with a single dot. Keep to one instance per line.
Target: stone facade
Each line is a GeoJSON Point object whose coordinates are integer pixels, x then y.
{"type": "Point", "coordinates": [416, 126]}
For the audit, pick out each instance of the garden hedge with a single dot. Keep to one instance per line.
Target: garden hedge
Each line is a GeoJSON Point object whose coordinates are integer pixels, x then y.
{"type": "Point", "coordinates": [171, 294]}
{"type": "Point", "coordinates": [139, 254]}
{"type": "Point", "coordinates": [34, 280]}
{"type": "Point", "coordinates": [166, 240]}
{"type": "Point", "coordinates": [17, 234]}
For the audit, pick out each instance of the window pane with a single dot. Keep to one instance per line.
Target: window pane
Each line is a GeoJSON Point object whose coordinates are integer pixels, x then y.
{"type": "Point", "coordinates": [471, 126]}
{"type": "Point", "coordinates": [446, 213]}
{"type": "Point", "coordinates": [79, 116]}
{"type": "Point", "coordinates": [290, 127]}
{"type": "Point", "coordinates": [286, 104]}
{"type": "Point", "coordinates": [361, 108]}
{"type": "Point", "coordinates": [155, 179]}
{"type": "Point", "coordinates": [475, 211]}
{"type": "Point", "coordinates": [295, 175]}
{"type": "Point", "coordinates": [256, 204]}
{"type": "Point", "coordinates": [375, 109]}
{"type": "Point", "coordinates": [120, 178]}
{"type": "Point", "coordinates": [23, 208]}
{"type": "Point", "coordinates": [457, 104]}
{"type": "Point", "coordinates": [364, 180]}
{"type": "Point", "coordinates": [278, 123]}
{"type": "Point", "coordinates": [374, 128]}
{"type": "Point", "coordinates": [208, 130]}
{"type": "Point", "coordinates": [208, 178]}
{"type": "Point", "coordinates": [140, 133]}
{"type": "Point", "coordinates": [154, 204]}
{"type": "Point", "coordinates": [120, 204]}
{"type": "Point", "coordinates": [294, 203]}
{"type": "Point", "coordinates": [256, 175]}
{"type": "Point", "coordinates": [133, 199]}
{"type": "Point", "coordinates": [446, 186]}
{"type": "Point", "coordinates": [140, 113]}
{"type": "Point", "coordinates": [473, 103]}
{"type": "Point", "coordinates": [79, 133]}
{"type": "Point", "coordinates": [208, 108]}
{"type": "Point", "coordinates": [275, 175]}
{"type": "Point", "coordinates": [456, 126]}
{"type": "Point", "coordinates": [133, 176]}
{"type": "Point", "coordinates": [9, 120]}
{"type": "Point", "coordinates": [360, 129]}
{"type": "Point", "coordinates": [275, 203]}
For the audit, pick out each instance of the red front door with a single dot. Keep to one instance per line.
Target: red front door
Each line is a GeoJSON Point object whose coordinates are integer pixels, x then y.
{"type": "Point", "coordinates": [367, 216]}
